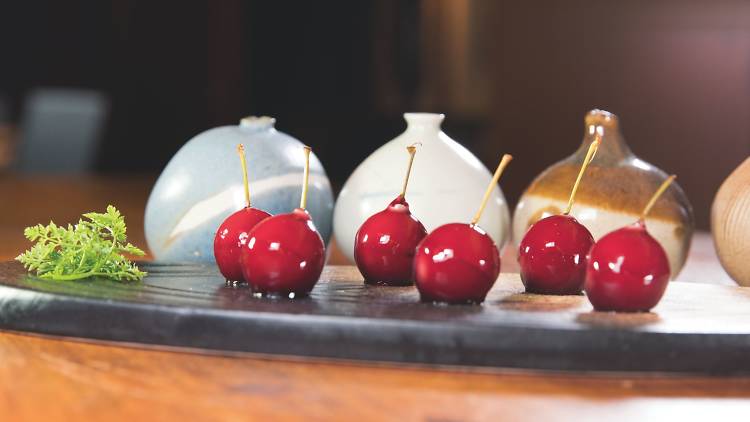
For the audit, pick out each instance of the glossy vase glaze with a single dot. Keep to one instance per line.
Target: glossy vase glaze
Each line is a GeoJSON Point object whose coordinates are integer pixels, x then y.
{"type": "Point", "coordinates": [730, 224]}
{"type": "Point", "coordinates": [202, 185]}
{"type": "Point", "coordinates": [616, 187]}
{"type": "Point", "coordinates": [446, 185]}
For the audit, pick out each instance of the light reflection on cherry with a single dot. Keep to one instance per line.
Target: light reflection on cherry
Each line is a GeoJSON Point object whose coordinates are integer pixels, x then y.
{"type": "Point", "coordinates": [628, 270]}
{"type": "Point", "coordinates": [285, 254]}
{"type": "Point", "coordinates": [385, 244]}
{"type": "Point", "coordinates": [459, 263]}
{"type": "Point", "coordinates": [232, 234]}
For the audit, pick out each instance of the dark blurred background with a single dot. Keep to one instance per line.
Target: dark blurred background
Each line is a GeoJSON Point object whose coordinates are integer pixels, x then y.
{"type": "Point", "coordinates": [511, 76]}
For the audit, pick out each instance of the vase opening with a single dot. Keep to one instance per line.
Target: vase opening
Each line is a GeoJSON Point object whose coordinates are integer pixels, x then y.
{"type": "Point", "coordinates": [607, 126]}
{"type": "Point", "coordinates": [602, 118]}
{"type": "Point", "coordinates": [423, 121]}
{"type": "Point", "coordinates": [257, 123]}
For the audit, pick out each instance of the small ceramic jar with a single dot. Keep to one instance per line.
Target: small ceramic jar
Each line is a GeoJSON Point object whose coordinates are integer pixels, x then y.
{"type": "Point", "coordinates": [616, 187]}
{"type": "Point", "coordinates": [202, 185]}
{"type": "Point", "coordinates": [446, 185]}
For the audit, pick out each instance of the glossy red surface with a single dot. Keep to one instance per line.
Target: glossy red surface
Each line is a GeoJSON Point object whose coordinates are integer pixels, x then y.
{"type": "Point", "coordinates": [456, 263]}
{"type": "Point", "coordinates": [552, 256]}
{"type": "Point", "coordinates": [284, 254]}
{"type": "Point", "coordinates": [628, 271]}
{"type": "Point", "coordinates": [231, 237]}
{"type": "Point", "coordinates": [385, 245]}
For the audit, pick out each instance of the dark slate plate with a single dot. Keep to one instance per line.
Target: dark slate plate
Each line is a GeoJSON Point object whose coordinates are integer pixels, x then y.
{"type": "Point", "coordinates": [696, 328]}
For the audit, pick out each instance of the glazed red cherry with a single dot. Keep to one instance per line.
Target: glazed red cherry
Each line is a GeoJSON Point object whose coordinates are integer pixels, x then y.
{"type": "Point", "coordinates": [552, 253]}
{"type": "Point", "coordinates": [284, 254]}
{"type": "Point", "coordinates": [232, 237]}
{"type": "Point", "coordinates": [385, 245]}
{"type": "Point", "coordinates": [458, 263]}
{"type": "Point", "coordinates": [628, 271]}
{"type": "Point", "coordinates": [552, 256]}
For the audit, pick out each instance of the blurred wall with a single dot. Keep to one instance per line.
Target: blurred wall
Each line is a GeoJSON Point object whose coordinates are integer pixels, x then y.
{"type": "Point", "coordinates": [676, 72]}
{"type": "Point", "coordinates": [510, 76]}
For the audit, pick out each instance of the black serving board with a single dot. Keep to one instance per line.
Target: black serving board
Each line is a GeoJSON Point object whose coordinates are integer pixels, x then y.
{"type": "Point", "coordinates": [696, 328]}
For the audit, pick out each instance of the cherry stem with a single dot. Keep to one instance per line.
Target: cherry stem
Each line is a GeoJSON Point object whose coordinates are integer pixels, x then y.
{"type": "Point", "coordinates": [586, 161]}
{"type": "Point", "coordinates": [412, 149]}
{"type": "Point", "coordinates": [656, 196]}
{"type": "Point", "coordinates": [500, 167]}
{"type": "Point", "coordinates": [243, 161]}
{"type": "Point", "coordinates": [303, 200]}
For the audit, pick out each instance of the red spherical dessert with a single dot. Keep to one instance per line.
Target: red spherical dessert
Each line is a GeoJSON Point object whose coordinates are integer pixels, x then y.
{"type": "Point", "coordinates": [627, 271]}
{"type": "Point", "coordinates": [456, 263]}
{"type": "Point", "coordinates": [552, 256]}
{"type": "Point", "coordinates": [284, 255]}
{"type": "Point", "coordinates": [231, 237]}
{"type": "Point", "coordinates": [385, 245]}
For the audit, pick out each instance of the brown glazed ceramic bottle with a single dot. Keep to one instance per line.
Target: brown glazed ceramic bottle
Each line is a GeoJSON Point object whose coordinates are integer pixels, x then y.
{"type": "Point", "coordinates": [612, 194]}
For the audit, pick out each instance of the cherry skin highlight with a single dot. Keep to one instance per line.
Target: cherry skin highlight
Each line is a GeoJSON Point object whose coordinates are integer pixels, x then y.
{"type": "Point", "coordinates": [385, 245]}
{"type": "Point", "coordinates": [284, 255]}
{"type": "Point", "coordinates": [456, 263]}
{"type": "Point", "coordinates": [552, 256]}
{"type": "Point", "coordinates": [230, 239]}
{"type": "Point", "coordinates": [628, 271]}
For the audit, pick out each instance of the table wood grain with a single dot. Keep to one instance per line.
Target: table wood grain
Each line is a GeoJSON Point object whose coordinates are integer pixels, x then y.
{"type": "Point", "coordinates": [61, 379]}
{"type": "Point", "coordinates": [54, 379]}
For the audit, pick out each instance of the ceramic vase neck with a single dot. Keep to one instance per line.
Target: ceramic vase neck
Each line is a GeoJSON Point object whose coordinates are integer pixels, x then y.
{"type": "Point", "coordinates": [613, 147]}
{"type": "Point", "coordinates": [257, 124]}
{"type": "Point", "coordinates": [423, 122]}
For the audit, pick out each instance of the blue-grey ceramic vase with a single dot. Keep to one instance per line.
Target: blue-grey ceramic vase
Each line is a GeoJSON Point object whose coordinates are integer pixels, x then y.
{"type": "Point", "coordinates": [202, 185]}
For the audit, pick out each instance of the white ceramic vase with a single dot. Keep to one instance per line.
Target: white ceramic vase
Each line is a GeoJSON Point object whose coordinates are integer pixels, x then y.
{"type": "Point", "coordinates": [446, 185]}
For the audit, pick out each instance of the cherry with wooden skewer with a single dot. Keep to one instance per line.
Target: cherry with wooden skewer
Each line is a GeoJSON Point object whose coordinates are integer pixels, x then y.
{"type": "Point", "coordinates": [285, 254]}
{"type": "Point", "coordinates": [458, 263]}
{"type": "Point", "coordinates": [628, 270]}
{"type": "Point", "coordinates": [232, 234]}
{"type": "Point", "coordinates": [385, 244]}
{"type": "Point", "coordinates": [552, 254]}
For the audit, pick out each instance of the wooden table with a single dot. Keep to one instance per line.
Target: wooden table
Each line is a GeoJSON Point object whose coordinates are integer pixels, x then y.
{"type": "Point", "coordinates": [52, 378]}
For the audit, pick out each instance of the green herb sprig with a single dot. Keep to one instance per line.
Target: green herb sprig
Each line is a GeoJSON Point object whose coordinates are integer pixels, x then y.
{"type": "Point", "coordinates": [92, 248]}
